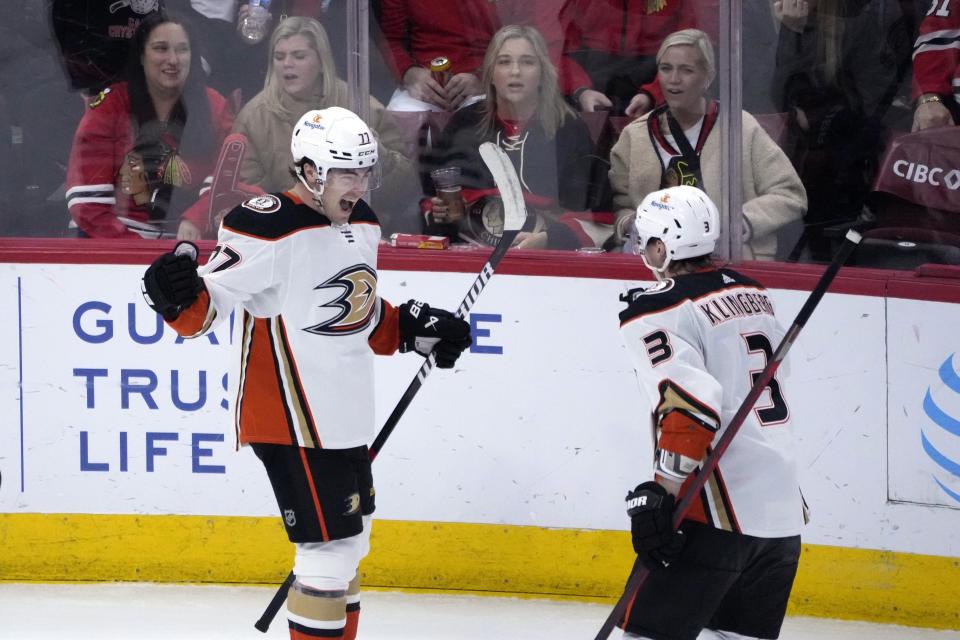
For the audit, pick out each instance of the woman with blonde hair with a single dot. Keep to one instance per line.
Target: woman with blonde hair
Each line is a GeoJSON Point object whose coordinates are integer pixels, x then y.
{"type": "Point", "coordinates": [300, 77]}
{"type": "Point", "coordinates": [525, 114]}
{"type": "Point", "coordinates": [678, 144]}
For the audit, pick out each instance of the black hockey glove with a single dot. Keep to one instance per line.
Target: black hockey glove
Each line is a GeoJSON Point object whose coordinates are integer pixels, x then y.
{"type": "Point", "coordinates": [424, 329]}
{"type": "Point", "coordinates": [650, 508]}
{"type": "Point", "coordinates": [171, 283]}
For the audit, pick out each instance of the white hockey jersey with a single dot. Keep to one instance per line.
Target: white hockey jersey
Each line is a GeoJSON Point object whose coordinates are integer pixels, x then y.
{"type": "Point", "coordinates": [312, 320]}
{"type": "Point", "coordinates": [697, 342]}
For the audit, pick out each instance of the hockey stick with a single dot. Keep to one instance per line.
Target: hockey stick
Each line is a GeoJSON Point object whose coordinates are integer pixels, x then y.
{"type": "Point", "coordinates": [639, 573]}
{"type": "Point", "coordinates": [514, 215]}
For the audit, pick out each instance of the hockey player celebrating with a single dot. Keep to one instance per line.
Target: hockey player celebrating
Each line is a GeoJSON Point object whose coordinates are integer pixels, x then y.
{"type": "Point", "coordinates": [302, 266]}
{"type": "Point", "coordinates": [698, 339]}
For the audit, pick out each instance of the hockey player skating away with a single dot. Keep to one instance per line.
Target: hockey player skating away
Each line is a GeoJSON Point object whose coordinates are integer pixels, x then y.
{"type": "Point", "coordinates": [302, 265]}
{"type": "Point", "coordinates": [698, 338]}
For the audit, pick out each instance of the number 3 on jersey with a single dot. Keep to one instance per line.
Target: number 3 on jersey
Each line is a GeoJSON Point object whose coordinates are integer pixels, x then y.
{"type": "Point", "coordinates": [658, 347]}
{"type": "Point", "coordinates": [777, 412]}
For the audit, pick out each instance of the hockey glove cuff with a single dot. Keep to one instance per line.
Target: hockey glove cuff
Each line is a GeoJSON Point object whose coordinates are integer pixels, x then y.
{"type": "Point", "coordinates": [426, 329]}
{"type": "Point", "coordinates": [171, 283]}
{"type": "Point", "coordinates": [650, 508]}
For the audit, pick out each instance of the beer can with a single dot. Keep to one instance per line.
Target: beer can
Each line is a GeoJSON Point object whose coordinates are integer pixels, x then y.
{"type": "Point", "coordinates": [440, 70]}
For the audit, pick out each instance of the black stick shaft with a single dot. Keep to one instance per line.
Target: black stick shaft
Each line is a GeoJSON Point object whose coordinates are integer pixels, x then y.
{"type": "Point", "coordinates": [638, 574]}
{"type": "Point", "coordinates": [468, 301]}
{"type": "Point", "coordinates": [486, 272]}
{"type": "Point", "coordinates": [275, 603]}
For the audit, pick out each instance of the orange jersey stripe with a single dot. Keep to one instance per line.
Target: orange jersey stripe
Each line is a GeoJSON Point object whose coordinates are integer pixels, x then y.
{"type": "Point", "coordinates": [385, 338]}
{"type": "Point", "coordinates": [721, 514]}
{"type": "Point", "coordinates": [262, 410]}
{"type": "Point", "coordinates": [681, 435]}
{"type": "Point", "coordinates": [300, 409]}
{"type": "Point", "coordinates": [193, 319]}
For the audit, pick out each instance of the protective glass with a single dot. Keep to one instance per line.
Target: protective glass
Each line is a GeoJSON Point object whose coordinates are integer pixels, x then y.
{"type": "Point", "coordinates": [354, 179]}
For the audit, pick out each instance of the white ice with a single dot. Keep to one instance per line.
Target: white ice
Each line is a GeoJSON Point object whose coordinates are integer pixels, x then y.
{"type": "Point", "coordinates": [148, 611]}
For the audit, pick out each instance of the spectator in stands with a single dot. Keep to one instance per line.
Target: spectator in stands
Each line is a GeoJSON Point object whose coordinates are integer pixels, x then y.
{"type": "Point", "coordinates": [38, 115]}
{"type": "Point", "coordinates": [835, 80]}
{"type": "Point", "coordinates": [611, 48]}
{"type": "Point", "coordinates": [242, 64]}
{"type": "Point", "coordinates": [417, 31]}
{"type": "Point", "coordinates": [523, 112]}
{"type": "Point", "coordinates": [94, 37]}
{"type": "Point", "coordinates": [300, 77]}
{"type": "Point", "coordinates": [144, 147]}
{"type": "Point", "coordinates": [334, 18]}
{"type": "Point", "coordinates": [229, 62]}
{"type": "Point", "coordinates": [677, 144]}
{"type": "Point", "coordinates": [936, 68]}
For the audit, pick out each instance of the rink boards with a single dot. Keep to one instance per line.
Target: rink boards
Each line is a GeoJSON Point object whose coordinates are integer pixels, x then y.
{"type": "Point", "coordinates": [506, 474]}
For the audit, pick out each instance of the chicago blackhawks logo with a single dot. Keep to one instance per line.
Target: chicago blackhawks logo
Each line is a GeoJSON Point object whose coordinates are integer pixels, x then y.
{"type": "Point", "coordinates": [141, 7]}
{"type": "Point", "coordinates": [356, 295]}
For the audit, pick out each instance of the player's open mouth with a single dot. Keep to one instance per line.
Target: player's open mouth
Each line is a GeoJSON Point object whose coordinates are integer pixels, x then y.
{"type": "Point", "coordinates": [347, 205]}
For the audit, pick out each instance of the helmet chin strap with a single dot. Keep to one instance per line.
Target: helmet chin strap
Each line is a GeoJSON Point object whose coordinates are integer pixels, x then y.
{"type": "Point", "coordinates": [315, 192]}
{"type": "Point", "coordinates": [660, 273]}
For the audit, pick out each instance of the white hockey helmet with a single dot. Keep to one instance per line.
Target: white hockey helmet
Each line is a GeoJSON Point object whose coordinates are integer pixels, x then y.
{"type": "Point", "coordinates": [333, 138]}
{"type": "Point", "coordinates": [683, 218]}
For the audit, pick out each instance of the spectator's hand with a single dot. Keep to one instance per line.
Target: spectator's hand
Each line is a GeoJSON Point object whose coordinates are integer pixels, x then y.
{"type": "Point", "coordinates": [528, 240]}
{"type": "Point", "coordinates": [188, 231]}
{"type": "Point", "coordinates": [639, 105]}
{"type": "Point", "coordinates": [420, 85]}
{"type": "Point", "coordinates": [442, 214]}
{"type": "Point", "coordinates": [792, 14]}
{"type": "Point", "coordinates": [592, 100]}
{"type": "Point", "coordinates": [931, 114]}
{"type": "Point", "coordinates": [462, 86]}
{"type": "Point", "coordinates": [242, 12]}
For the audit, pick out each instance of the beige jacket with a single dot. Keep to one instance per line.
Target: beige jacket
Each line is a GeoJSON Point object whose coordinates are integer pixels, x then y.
{"type": "Point", "coordinates": [267, 161]}
{"type": "Point", "coordinates": [773, 195]}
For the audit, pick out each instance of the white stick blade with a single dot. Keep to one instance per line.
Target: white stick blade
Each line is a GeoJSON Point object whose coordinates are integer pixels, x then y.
{"type": "Point", "coordinates": [505, 176]}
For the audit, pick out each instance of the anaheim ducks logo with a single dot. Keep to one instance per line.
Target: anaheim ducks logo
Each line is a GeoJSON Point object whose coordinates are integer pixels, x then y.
{"type": "Point", "coordinates": [353, 306]}
{"type": "Point", "coordinates": [352, 502]}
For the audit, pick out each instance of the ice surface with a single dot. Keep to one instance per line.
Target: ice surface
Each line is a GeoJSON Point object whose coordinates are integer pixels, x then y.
{"type": "Point", "coordinates": [188, 612]}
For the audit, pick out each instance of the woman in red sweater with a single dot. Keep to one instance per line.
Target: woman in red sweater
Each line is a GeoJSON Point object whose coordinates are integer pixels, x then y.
{"type": "Point", "coordinates": [145, 148]}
